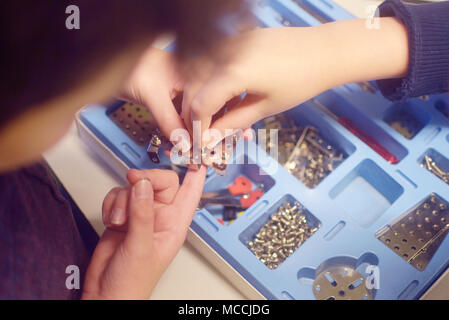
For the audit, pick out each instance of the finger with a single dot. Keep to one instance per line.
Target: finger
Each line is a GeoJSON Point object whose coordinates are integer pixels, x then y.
{"type": "Point", "coordinates": [117, 215]}
{"type": "Point", "coordinates": [188, 197]}
{"type": "Point", "coordinates": [141, 217]}
{"type": "Point", "coordinates": [244, 115]}
{"type": "Point", "coordinates": [212, 97]}
{"type": "Point", "coordinates": [164, 112]}
{"type": "Point", "coordinates": [104, 251]}
{"type": "Point", "coordinates": [190, 91]}
{"type": "Point", "coordinates": [108, 202]}
{"type": "Point", "coordinates": [165, 182]}
{"type": "Point", "coordinates": [248, 134]}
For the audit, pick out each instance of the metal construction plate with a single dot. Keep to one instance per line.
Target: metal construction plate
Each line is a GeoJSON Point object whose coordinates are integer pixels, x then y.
{"type": "Point", "coordinates": [340, 283]}
{"type": "Point", "coordinates": [136, 121]}
{"type": "Point", "coordinates": [417, 235]}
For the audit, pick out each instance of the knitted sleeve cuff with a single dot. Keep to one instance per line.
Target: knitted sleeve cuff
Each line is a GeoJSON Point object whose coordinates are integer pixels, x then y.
{"type": "Point", "coordinates": [428, 36]}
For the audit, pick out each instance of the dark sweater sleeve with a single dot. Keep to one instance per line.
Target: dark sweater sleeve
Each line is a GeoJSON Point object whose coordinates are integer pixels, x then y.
{"type": "Point", "coordinates": [428, 35]}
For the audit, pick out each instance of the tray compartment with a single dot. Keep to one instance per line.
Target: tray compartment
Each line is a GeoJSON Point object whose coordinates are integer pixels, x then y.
{"type": "Point", "coordinates": [280, 231]}
{"type": "Point", "coordinates": [436, 163]}
{"type": "Point", "coordinates": [308, 147]}
{"type": "Point", "coordinates": [366, 192]}
{"type": "Point", "coordinates": [407, 118]}
{"type": "Point", "coordinates": [242, 167]}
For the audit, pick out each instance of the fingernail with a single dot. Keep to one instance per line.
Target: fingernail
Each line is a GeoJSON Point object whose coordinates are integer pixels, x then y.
{"type": "Point", "coordinates": [178, 86]}
{"type": "Point", "coordinates": [212, 142]}
{"type": "Point", "coordinates": [117, 216]}
{"type": "Point", "coordinates": [142, 189]}
{"type": "Point", "coordinates": [248, 135]}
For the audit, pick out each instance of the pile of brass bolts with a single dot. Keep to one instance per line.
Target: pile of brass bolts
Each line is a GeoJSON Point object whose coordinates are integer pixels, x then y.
{"type": "Point", "coordinates": [432, 166]}
{"type": "Point", "coordinates": [287, 229]}
{"type": "Point", "coordinates": [302, 151]}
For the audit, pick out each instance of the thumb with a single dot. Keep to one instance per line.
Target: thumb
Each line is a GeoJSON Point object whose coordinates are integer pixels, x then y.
{"type": "Point", "coordinates": [211, 98]}
{"type": "Point", "coordinates": [141, 217]}
{"type": "Point", "coordinates": [243, 115]}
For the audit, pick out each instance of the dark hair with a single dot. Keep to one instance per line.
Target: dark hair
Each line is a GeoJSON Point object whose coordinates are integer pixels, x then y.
{"type": "Point", "coordinates": [41, 58]}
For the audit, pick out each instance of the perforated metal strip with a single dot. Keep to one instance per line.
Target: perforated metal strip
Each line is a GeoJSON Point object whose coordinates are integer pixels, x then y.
{"type": "Point", "coordinates": [417, 235]}
{"type": "Point", "coordinates": [136, 121]}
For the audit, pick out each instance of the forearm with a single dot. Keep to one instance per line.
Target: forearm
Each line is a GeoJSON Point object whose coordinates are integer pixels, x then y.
{"type": "Point", "coordinates": [351, 52]}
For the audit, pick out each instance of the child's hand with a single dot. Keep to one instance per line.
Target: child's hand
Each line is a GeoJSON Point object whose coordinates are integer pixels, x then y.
{"type": "Point", "coordinates": [147, 224]}
{"type": "Point", "coordinates": [275, 67]}
{"type": "Point", "coordinates": [282, 67]}
{"type": "Point", "coordinates": [154, 83]}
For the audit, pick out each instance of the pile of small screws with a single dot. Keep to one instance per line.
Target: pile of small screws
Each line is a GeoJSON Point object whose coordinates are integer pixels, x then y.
{"type": "Point", "coordinates": [287, 229]}
{"type": "Point", "coordinates": [302, 151]}
{"type": "Point", "coordinates": [288, 134]}
{"type": "Point", "coordinates": [432, 166]}
{"type": "Point", "coordinates": [312, 159]}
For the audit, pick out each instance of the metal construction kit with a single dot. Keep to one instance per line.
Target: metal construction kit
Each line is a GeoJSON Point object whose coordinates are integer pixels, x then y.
{"type": "Point", "coordinates": [353, 204]}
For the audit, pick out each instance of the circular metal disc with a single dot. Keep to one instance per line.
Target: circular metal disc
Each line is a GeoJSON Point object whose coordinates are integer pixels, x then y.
{"type": "Point", "coordinates": [340, 283]}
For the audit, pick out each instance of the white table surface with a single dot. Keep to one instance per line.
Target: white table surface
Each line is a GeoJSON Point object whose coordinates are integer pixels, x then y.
{"type": "Point", "coordinates": [88, 180]}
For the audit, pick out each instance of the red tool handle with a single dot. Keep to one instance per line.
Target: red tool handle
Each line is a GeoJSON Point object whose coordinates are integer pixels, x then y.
{"type": "Point", "coordinates": [241, 185]}
{"type": "Point", "coordinates": [251, 198]}
{"type": "Point", "coordinates": [373, 144]}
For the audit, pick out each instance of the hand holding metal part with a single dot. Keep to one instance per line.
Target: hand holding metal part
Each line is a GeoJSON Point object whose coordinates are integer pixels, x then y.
{"type": "Point", "coordinates": [217, 157]}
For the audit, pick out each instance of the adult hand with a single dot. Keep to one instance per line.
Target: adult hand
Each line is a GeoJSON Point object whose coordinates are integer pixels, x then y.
{"type": "Point", "coordinates": [147, 225]}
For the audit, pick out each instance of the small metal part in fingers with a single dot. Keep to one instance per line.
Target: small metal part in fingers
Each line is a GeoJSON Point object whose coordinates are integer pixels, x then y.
{"type": "Point", "coordinates": [157, 141]}
{"type": "Point", "coordinates": [219, 156]}
{"type": "Point", "coordinates": [341, 283]}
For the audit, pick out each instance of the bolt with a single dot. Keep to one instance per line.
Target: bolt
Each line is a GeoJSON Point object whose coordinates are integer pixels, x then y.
{"type": "Point", "coordinates": [273, 247]}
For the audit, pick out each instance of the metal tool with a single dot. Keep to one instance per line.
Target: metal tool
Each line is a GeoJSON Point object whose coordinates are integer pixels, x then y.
{"type": "Point", "coordinates": [341, 283]}
{"type": "Point", "coordinates": [287, 229]}
{"type": "Point", "coordinates": [243, 201]}
{"type": "Point", "coordinates": [241, 185]}
{"type": "Point", "coordinates": [359, 133]}
{"type": "Point", "coordinates": [234, 198]}
{"type": "Point", "coordinates": [417, 235]}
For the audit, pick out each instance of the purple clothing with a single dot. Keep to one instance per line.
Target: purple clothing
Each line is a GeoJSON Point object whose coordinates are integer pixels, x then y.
{"type": "Point", "coordinates": [38, 237]}
{"type": "Point", "coordinates": [428, 36]}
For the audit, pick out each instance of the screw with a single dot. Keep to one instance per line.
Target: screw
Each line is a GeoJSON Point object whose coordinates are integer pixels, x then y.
{"type": "Point", "coordinates": [272, 247]}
